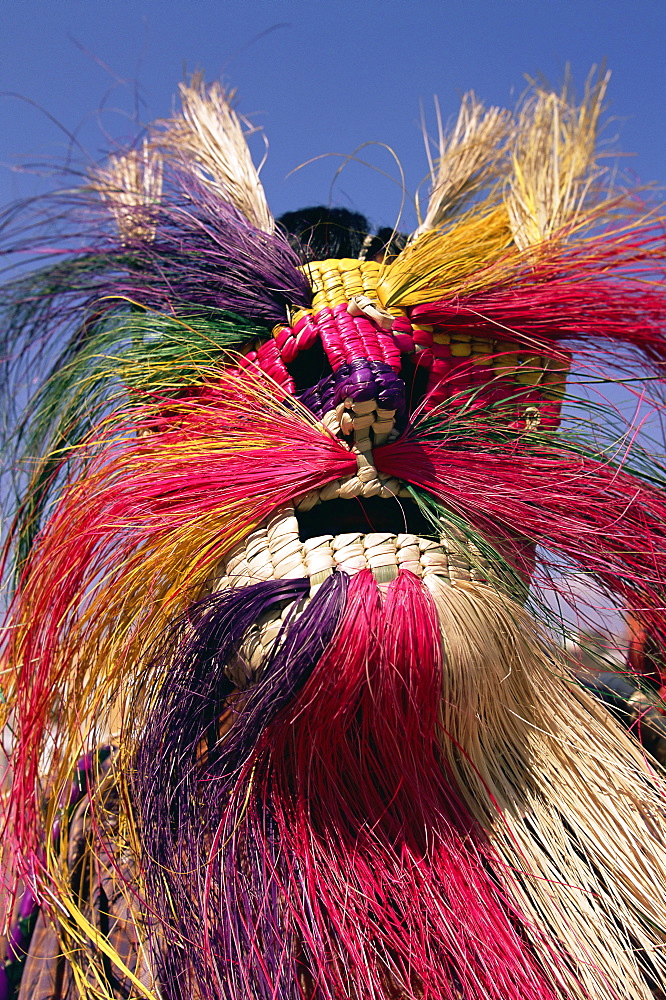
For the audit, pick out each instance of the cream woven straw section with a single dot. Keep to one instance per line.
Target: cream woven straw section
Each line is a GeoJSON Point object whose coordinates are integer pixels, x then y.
{"type": "Point", "coordinates": [274, 551]}
{"type": "Point", "coordinates": [366, 482]}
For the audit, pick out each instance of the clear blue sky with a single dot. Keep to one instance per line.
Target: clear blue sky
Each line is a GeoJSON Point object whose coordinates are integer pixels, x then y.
{"type": "Point", "coordinates": [320, 77]}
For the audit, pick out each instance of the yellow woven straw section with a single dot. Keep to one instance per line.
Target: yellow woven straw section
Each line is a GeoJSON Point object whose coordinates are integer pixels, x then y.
{"type": "Point", "coordinates": [335, 282]}
{"type": "Point", "coordinates": [515, 361]}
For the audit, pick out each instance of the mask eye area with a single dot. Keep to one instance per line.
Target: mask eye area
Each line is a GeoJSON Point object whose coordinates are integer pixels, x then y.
{"type": "Point", "coordinates": [309, 367]}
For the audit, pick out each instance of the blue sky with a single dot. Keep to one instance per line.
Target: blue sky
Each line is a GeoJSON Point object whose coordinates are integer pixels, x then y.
{"type": "Point", "coordinates": [321, 78]}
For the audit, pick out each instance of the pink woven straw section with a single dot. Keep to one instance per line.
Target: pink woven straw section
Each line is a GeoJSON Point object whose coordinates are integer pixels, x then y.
{"type": "Point", "coordinates": [458, 360]}
{"type": "Point", "coordinates": [269, 358]}
{"type": "Point", "coordinates": [343, 337]}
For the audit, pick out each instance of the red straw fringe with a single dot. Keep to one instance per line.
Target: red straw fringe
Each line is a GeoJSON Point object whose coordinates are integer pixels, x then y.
{"type": "Point", "coordinates": [605, 291]}
{"type": "Point", "coordinates": [392, 893]}
{"type": "Point", "coordinates": [138, 528]}
{"type": "Point", "coordinates": [606, 520]}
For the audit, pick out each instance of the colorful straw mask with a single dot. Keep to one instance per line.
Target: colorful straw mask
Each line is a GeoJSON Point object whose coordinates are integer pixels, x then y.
{"type": "Point", "coordinates": [278, 516]}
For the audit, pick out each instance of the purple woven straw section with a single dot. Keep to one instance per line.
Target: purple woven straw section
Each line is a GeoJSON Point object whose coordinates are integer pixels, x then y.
{"type": "Point", "coordinates": [182, 791]}
{"type": "Point", "coordinates": [360, 380]}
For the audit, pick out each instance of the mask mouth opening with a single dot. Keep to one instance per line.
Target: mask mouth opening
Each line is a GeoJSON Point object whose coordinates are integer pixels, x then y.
{"type": "Point", "coordinates": [363, 515]}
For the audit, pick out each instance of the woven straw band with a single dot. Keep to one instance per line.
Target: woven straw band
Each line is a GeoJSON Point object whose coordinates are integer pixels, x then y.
{"type": "Point", "coordinates": [345, 316]}
{"type": "Point", "coordinates": [274, 551]}
{"type": "Point", "coordinates": [350, 323]}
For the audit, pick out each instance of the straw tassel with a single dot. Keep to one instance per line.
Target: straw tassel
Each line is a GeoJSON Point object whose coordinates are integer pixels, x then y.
{"type": "Point", "coordinates": [554, 163]}
{"type": "Point", "coordinates": [131, 185]}
{"type": "Point", "coordinates": [143, 503]}
{"type": "Point", "coordinates": [210, 139]}
{"type": "Point", "coordinates": [470, 157]}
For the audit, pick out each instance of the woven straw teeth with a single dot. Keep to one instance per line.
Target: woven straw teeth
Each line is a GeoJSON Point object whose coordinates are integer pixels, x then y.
{"type": "Point", "coordinates": [383, 553]}
{"type": "Point", "coordinates": [275, 551]}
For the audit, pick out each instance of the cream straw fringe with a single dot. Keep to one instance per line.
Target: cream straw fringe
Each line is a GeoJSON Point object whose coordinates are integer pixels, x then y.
{"type": "Point", "coordinates": [130, 185]}
{"type": "Point", "coordinates": [554, 162]}
{"type": "Point", "coordinates": [467, 159]}
{"type": "Point", "coordinates": [566, 796]}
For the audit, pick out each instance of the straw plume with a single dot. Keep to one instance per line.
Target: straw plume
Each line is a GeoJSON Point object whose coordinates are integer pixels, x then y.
{"type": "Point", "coordinates": [130, 185]}
{"type": "Point", "coordinates": [468, 158]}
{"type": "Point", "coordinates": [212, 469]}
{"type": "Point", "coordinates": [209, 139]}
{"type": "Point", "coordinates": [554, 162]}
{"type": "Point", "coordinates": [554, 780]}
{"type": "Point", "coordinates": [341, 845]}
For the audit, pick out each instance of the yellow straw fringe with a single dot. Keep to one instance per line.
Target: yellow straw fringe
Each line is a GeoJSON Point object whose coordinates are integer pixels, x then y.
{"type": "Point", "coordinates": [444, 264]}
{"type": "Point", "coordinates": [338, 280]}
{"type": "Point", "coordinates": [554, 170]}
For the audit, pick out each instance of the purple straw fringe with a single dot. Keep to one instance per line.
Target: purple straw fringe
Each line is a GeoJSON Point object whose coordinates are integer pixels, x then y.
{"type": "Point", "coordinates": [183, 794]}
